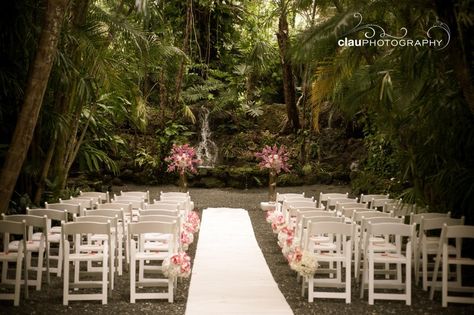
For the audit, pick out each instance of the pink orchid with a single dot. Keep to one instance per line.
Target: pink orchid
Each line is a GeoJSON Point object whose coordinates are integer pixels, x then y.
{"type": "Point", "coordinates": [182, 158]}
{"type": "Point", "coordinates": [274, 158]}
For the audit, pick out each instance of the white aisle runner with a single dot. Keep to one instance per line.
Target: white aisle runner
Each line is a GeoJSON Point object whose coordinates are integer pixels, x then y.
{"type": "Point", "coordinates": [230, 275]}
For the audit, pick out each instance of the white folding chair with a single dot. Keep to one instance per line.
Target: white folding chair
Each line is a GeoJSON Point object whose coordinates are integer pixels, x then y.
{"type": "Point", "coordinates": [415, 218]}
{"type": "Point", "coordinates": [280, 197]}
{"type": "Point", "coordinates": [444, 260]}
{"type": "Point", "coordinates": [8, 229]}
{"type": "Point", "coordinates": [95, 242]}
{"type": "Point", "coordinates": [359, 250]}
{"type": "Point", "coordinates": [301, 226]}
{"type": "Point", "coordinates": [379, 204]}
{"type": "Point", "coordinates": [391, 254]}
{"type": "Point", "coordinates": [121, 234]}
{"type": "Point", "coordinates": [84, 203]}
{"type": "Point", "coordinates": [79, 253]}
{"type": "Point", "coordinates": [429, 245]}
{"type": "Point", "coordinates": [340, 254]}
{"type": "Point", "coordinates": [54, 236]}
{"type": "Point", "coordinates": [138, 253]}
{"type": "Point", "coordinates": [32, 246]}
{"type": "Point", "coordinates": [332, 202]}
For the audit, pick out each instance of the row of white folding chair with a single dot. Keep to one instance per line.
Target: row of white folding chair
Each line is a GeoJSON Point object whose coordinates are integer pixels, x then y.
{"type": "Point", "coordinates": [336, 251]}
{"type": "Point", "coordinates": [32, 246]}
{"type": "Point", "coordinates": [14, 229]}
{"type": "Point", "coordinates": [387, 255]}
{"type": "Point", "coordinates": [443, 261]}
{"type": "Point", "coordinates": [80, 252]}
{"type": "Point", "coordinates": [102, 197]}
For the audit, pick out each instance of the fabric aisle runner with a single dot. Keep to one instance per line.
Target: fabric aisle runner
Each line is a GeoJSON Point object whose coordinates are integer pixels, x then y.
{"type": "Point", "coordinates": [230, 275]}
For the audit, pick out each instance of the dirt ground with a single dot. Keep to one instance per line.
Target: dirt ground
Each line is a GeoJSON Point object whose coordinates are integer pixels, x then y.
{"type": "Point", "coordinates": [49, 299]}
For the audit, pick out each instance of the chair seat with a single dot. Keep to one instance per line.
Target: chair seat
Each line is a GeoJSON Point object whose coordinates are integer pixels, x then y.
{"type": "Point", "coordinates": [151, 255]}
{"type": "Point", "coordinates": [156, 246]}
{"type": "Point", "coordinates": [86, 256]}
{"type": "Point", "coordinates": [320, 239]}
{"type": "Point", "coordinates": [156, 237]}
{"type": "Point", "coordinates": [388, 258]}
{"type": "Point", "coordinates": [31, 246]}
{"type": "Point", "coordinates": [55, 229]}
{"type": "Point", "coordinates": [8, 256]}
{"type": "Point", "coordinates": [52, 237]}
{"type": "Point", "coordinates": [330, 257]}
{"type": "Point", "coordinates": [382, 246]}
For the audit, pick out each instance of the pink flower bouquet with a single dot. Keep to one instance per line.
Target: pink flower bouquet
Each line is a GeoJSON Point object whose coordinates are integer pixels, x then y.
{"type": "Point", "coordinates": [274, 158]}
{"type": "Point", "coordinates": [186, 238]}
{"type": "Point", "coordinates": [178, 265]}
{"type": "Point", "coordinates": [193, 220]}
{"type": "Point", "coordinates": [182, 159]}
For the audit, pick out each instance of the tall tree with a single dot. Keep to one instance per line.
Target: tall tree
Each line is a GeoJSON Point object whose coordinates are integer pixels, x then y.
{"type": "Point", "coordinates": [38, 77]}
{"type": "Point", "coordinates": [289, 88]}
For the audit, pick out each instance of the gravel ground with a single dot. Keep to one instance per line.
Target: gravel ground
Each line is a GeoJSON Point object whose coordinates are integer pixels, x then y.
{"type": "Point", "coordinates": [49, 299]}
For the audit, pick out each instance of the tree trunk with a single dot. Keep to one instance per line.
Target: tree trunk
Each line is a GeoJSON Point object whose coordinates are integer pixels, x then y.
{"type": "Point", "coordinates": [45, 171]}
{"type": "Point", "coordinates": [456, 48]}
{"type": "Point", "coordinates": [38, 77]}
{"type": "Point", "coordinates": [187, 34]}
{"type": "Point", "coordinates": [289, 89]}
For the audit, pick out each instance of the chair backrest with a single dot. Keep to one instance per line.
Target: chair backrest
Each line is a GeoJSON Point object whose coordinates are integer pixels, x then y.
{"type": "Point", "coordinates": [400, 229]}
{"type": "Point", "coordinates": [51, 214]}
{"type": "Point", "coordinates": [306, 219]}
{"type": "Point", "coordinates": [375, 220]}
{"type": "Point", "coordinates": [98, 219]}
{"type": "Point", "coordinates": [137, 203]}
{"type": "Point", "coordinates": [157, 218]}
{"type": "Point", "coordinates": [181, 203]}
{"type": "Point", "coordinates": [416, 217]}
{"type": "Point", "coordinates": [8, 228]}
{"type": "Point", "coordinates": [174, 194]}
{"type": "Point", "coordinates": [281, 197]}
{"type": "Point", "coordinates": [298, 198]}
{"type": "Point", "coordinates": [324, 196]}
{"type": "Point", "coordinates": [163, 205]}
{"type": "Point", "coordinates": [103, 196]}
{"type": "Point", "coordinates": [31, 221]}
{"type": "Point", "coordinates": [349, 212]}
{"type": "Point", "coordinates": [148, 212]}
{"type": "Point", "coordinates": [83, 228]}
{"type": "Point", "coordinates": [339, 205]}
{"type": "Point", "coordinates": [70, 208]}
{"type": "Point", "coordinates": [317, 213]}
{"type": "Point", "coordinates": [331, 201]}
{"type": "Point", "coordinates": [368, 198]}
{"type": "Point", "coordinates": [85, 203]}
{"type": "Point", "coordinates": [170, 228]}
{"type": "Point", "coordinates": [342, 231]}
{"type": "Point", "coordinates": [145, 195]}
{"type": "Point", "coordinates": [358, 215]}
{"type": "Point", "coordinates": [380, 203]}
{"type": "Point", "coordinates": [437, 223]}
{"type": "Point", "coordinates": [111, 213]}
{"type": "Point", "coordinates": [457, 231]}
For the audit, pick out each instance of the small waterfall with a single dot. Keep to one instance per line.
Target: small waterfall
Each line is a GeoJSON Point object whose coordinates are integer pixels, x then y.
{"type": "Point", "coordinates": [207, 149]}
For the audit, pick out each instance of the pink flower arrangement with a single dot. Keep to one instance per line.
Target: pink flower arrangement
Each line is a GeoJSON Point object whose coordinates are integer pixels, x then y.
{"type": "Point", "coordinates": [285, 236]}
{"type": "Point", "coordinates": [278, 223]}
{"type": "Point", "coordinates": [274, 158]}
{"type": "Point", "coordinates": [178, 265]}
{"type": "Point", "coordinates": [193, 220]}
{"type": "Point", "coordinates": [186, 238]}
{"type": "Point", "coordinates": [182, 159]}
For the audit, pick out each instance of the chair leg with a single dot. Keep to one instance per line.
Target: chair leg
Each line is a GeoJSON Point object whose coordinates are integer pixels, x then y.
{"type": "Point", "coordinates": [310, 289]}
{"type": "Point", "coordinates": [371, 280]}
{"type": "Point", "coordinates": [408, 281]}
{"type": "Point", "coordinates": [66, 280]}
{"type": "Point", "coordinates": [444, 286]}
{"type": "Point", "coordinates": [132, 271]}
{"type": "Point", "coordinates": [348, 277]}
{"type": "Point", "coordinates": [16, 299]}
{"type": "Point", "coordinates": [105, 275]}
{"type": "Point", "coordinates": [39, 269]}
